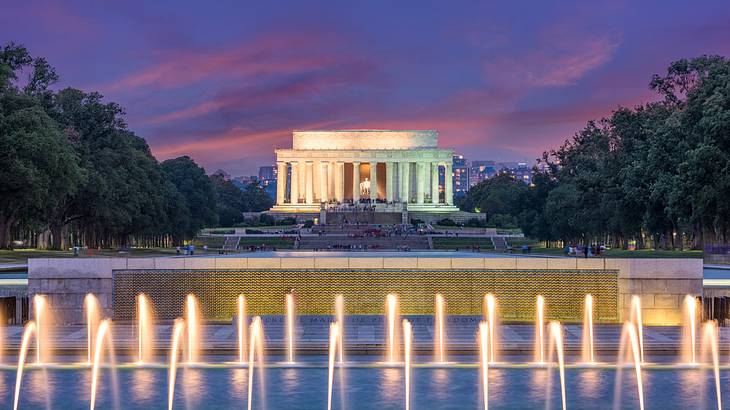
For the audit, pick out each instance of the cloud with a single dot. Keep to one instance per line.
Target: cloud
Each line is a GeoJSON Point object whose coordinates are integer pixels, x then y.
{"type": "Point", "coordinates": [554, 64]}
{"type": "Point", "coordinates": [266, 55]}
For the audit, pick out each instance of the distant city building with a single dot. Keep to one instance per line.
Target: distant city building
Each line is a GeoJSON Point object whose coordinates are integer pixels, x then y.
{"type": "Point", "coordinates": [460, 170]}
{"type": "Point", "coordinates": [223, 174]}
{"type": "Point", "coordinates": [267, 173]}
{"type": "Point", "coordinates": [481, 170]}
{"type": "Point", "coordinates": [247, 179]}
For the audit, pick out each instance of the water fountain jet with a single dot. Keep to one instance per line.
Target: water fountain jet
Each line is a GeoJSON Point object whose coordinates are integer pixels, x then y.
{"type": "Point", "coordinates": [192, 324]}
{"type": "Point", "coordinates": [540, 330]}
{"type": "Point", "coordinates": [690, 330]}
{"type": "Point", "coordinates": [484, 358]}
{"type": "Point", "coordinates": [333, 343]}
{"type": "Point", "coordinates": [710, 340]}
{"type": "Point", "coordinates": [30, 329]}
{"type": "Point", "coordinates": [242, 324]}
{"type": "Point", "coordinates": [175, 346]}
{"type": "Point", "coordinates": [340, 318]}
{"type": "Point", "coordinates": [490, 314]}
{"type": "Point", "coordinates": [391, 310]}
{"type": "Point", "coordinates": [439, 331]}
{"type": "Point", "coordinates": [256, 350]}
{"type": "Point", "coordinates": [630, 333]}
{"type": "Point", "coordinates": [40, 310]}
{"type": "Point", "coordinates": [407, 341]}
{"type": "Point", "coordinates": [636, 321]}
{"type": "Point", "coordinates": [91, 305]}
{"type": "Point", "coordinates": [103, 333]}
{"type": "Point", "coordinates": [556, 338]}
{"type": "Point", "coordinates": [145, 329]}
{"type": "Point", "coordinates": [587, 345]}
{"type": "Point", "coordinates": [290, 327]}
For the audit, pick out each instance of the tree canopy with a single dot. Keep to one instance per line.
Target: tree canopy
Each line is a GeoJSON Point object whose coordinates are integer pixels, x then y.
{"type": "Point", "coordinates": [656, 174]}
{"type": "Point", "coordinates": [72, 173]}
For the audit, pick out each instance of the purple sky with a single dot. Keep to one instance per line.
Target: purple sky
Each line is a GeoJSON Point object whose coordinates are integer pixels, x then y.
{"type": "Point", "coordinates": [226, 82]}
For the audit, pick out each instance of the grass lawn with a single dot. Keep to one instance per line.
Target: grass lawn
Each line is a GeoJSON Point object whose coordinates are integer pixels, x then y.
{"type": "Point", "coordinates": [279, 243]}
{"type": "Point", "coordinates": [462, 243]}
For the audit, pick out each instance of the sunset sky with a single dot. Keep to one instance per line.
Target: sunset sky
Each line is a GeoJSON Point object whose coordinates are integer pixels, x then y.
{"type": "Point", "coordinates": [226, 81]}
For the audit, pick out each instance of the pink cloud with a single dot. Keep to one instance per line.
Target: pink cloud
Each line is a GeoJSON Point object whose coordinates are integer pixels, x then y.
{"type": "Point", "coordinates": [270, 55]}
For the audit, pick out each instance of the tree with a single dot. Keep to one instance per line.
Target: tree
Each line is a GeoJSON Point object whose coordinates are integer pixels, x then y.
{"type": "Point", "coordinates": [502, 198]}
{"type": "Point", "coordinates": [198, 191]}
{"type": "Point", "coordinates": [38, 168]}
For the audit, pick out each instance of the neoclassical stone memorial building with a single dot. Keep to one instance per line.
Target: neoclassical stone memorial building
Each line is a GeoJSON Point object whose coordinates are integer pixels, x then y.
{"type": "Point", "coordinates": [392, 170]}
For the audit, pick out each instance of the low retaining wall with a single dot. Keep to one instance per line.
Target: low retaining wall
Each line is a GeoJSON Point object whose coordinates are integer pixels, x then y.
{"type": "Point", "coordinates": [661, 284]}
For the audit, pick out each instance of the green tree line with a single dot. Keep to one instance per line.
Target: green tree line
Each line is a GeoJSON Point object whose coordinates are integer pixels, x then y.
{"type": "Point", "coordinates": [72, 173]}
{"type": "Point", "coordinates": [656, 175]}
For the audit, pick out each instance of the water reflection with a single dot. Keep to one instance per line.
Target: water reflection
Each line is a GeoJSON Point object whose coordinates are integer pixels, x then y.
{"type": "Point", "coordinates": [290, 380]}
{"type": "Point", "coordinates": [590, 383]}
{"type": "Point", "coordinates": [391, 383]}
{"type": "Point", "coordinates": [192, 386]}
{"type": "Point", "coordinates": [440, 382]}
{"type": "Point", "coordinates": [143, 384]}
{"type": "Point", "coordinates": [239, 380]}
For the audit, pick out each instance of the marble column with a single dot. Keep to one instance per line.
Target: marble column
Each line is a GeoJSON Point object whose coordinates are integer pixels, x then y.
{"type": "Point", "coordinates": [331, 172]}
{"type": "Point", "coordinates": [405, 181]}
{"type": "Point", "coordinates": [340, 181]}
{"type": "Point", "coordinates": [355, 182]}
{"type": "Point", "coordinates": [294, 189]}
{"type": "Point", "coordinates": [373, 181]}
{"type": "Point", "coordinates": [448, 184]}
{"type": "Point", "coordinates": [302, 179]}
{"type": "Point", "coordinates": [435, 182]}
{"type": "Point", "coordinates": [323, 182]}
{"type": "Point", "coordinates": [389, 180]}
{"type": "Point", "coordinates": [420, 181]}
{"type": "Point", "coordinates": [309, 182]}
{"type": "Point", "coordinates": [280, 182]}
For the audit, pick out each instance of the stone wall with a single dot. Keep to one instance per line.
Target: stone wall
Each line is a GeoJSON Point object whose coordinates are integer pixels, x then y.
{"type": "Point", "coordinates": [661, 283]}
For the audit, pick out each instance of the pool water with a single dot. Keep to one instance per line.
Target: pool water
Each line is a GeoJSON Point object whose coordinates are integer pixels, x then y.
{"type": "Point", "coordinates": [363, 387]}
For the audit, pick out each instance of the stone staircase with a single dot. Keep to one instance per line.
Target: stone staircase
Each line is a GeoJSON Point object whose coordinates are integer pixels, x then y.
{"type": "Point", "coordinates": [231, 243]}
{"type": "Point", "coordinates": [336, 242]}
{"type": "Point", "coordinates": [500, 243]}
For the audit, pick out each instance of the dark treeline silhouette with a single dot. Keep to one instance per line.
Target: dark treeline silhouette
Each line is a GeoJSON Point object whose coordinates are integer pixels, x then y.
{"type": "Point", "coordinates": [73, 174]}
{"type": "Point", "coordinates": [657, 175]}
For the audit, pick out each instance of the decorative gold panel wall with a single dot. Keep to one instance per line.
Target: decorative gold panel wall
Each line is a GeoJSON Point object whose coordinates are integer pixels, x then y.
{"type": "Point", "coordinates": [365, 291]}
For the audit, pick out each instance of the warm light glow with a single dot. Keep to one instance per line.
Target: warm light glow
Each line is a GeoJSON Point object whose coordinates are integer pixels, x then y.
{"type": "Point", "coordinates": [630, 331]}
{"type": "Point", "coordinates": [540, 330]}
{"type": "Point", "coordinates": [290, 327]}
{"type": "Point", "coordinates": [334, 330]}
{"type": "Point", "coordinates": [242, 328]}
{"type": "Point", "coordinates": [690, 306]}
{"type": "Point", "coordinates": [556, 333]}
{"type": "Point", "coordinates": [102, 334]}
{"type": "Point", "coordinates": [177, 334]}
{"type": "Point", "coordinates": [491, 306]}
{"type": "Point", "coordinates": [407, 339]}
{"type": "Point", "coordinates": [484, 358]}
{"type": "Point", "coordinates": [256, 349]}
{"type": "Point", "coordinates": [40, 309]}
{"type": "Point", "coordinates": [439, 329]}
{"type": "Point", "coordinates": [30, 329]}
{"type": "Point", "coordinates": [192, 322]}
{"type": "Point", "coordinates": [392, 313]}
{"type": "Point", "coordinates": [145, 329]}
{"type": "Point", "coordinates": [710, 340]}
{"type": "Point", "coordinates": [91, 305]}
{"type": "Point", "coordinates": [635, 317]}
{"type": "Point", "coordinates": [588, 347]}
{"type": "Point", "coordinates": [340, 318]}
